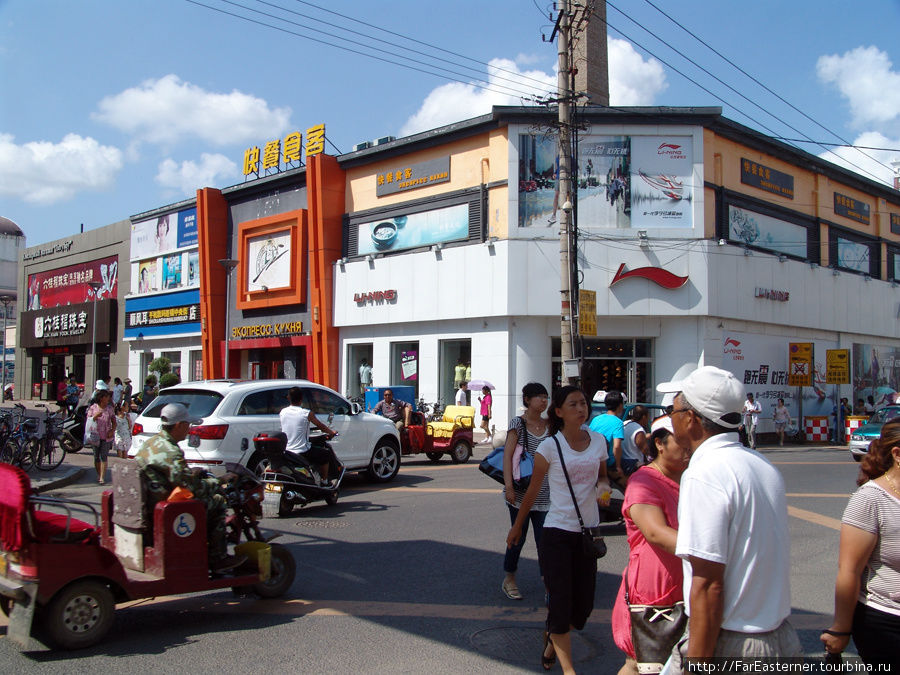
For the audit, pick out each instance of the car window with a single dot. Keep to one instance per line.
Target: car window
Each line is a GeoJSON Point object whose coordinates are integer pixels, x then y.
{"type": "Point", "coordinates": [883, 415]}
{"type": "Point", "coordinates": [199, 403]}
{"type": "Point", "coordinates": [324, 403]}
{"type": "Point", "coordinates": [265, 402]}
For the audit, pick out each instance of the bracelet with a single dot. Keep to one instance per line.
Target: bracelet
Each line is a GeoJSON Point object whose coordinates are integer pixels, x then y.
{"type": "Point", "coordinates": [837, 633]}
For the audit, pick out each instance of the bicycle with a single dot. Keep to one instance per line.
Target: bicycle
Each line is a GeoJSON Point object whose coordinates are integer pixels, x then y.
{"type": "Point", "coordinates": [48, 450]}
{"type": "Point", "coordinates": [18, 448]}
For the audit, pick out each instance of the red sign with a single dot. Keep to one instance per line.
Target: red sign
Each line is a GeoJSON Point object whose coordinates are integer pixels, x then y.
{"type": "Point", "coordinates": [71, 285]}
{"type": "Point", "coordinates": [375, 297]}
{"type": "Point", "coordinates": [657, 275]}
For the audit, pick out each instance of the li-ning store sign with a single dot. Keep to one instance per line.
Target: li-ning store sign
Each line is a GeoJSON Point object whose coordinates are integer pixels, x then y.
{"type": "Point", "coordinates": [375, 297]}
{"type": "Point", "coordinates": [772, 294]}
{"type": "Point", "coordinates": [267, 330]}
{"type": "Point", "coordinates": [289, 150]}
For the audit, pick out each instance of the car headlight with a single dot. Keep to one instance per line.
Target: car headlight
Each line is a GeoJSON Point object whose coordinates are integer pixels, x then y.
{"type": "Point", "coordinates": [857, 437]}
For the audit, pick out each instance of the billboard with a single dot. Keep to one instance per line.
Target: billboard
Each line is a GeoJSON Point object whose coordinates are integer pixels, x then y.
{"type": "Point", "coordinates": [163, 234]}
{"type": "Point", "coordinates": [414, 230]}
{"type": "Point", "coordinates": [71, 285]}
{"type": "Point", "coordinates": [622, 181]}
{"type": "Point", "coordinates": [774, 234]}
{"type": "Point", "coordinates": [165, 314]}
{"type": "Point", "coordinates": [876, 373]}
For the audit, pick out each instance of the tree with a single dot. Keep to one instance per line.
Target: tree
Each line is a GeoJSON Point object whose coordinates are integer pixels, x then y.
{"type": "Point", "coordinates": [161, 365]}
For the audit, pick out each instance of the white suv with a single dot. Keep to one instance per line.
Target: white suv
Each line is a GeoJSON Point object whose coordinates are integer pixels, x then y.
{"type": "Point", "coordinates": [234, 412]}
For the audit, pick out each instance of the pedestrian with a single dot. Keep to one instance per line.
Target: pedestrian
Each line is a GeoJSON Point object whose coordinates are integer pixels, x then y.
{"type": "Point", "coordinates": [462, 395]}
{"type": "Point", "coordinates": [870, 405]}
{"type": "Point", "coordinates": [653, 575]}
{"type": "Point", "coordinates": [781, 417]}
{"type": "Point", "coordinates": [117, 390]}
{"type": "Point", "coordinates": [860, 407]}
{"type": "Point", "coordinates": [127, 391]}
{"type": "Point", "coordinates": [611, 426]}
{"type": "Point", "coordinates": [634, 442]}
{"type": "Point", "coordinates": [103, 413]}
{"type": "Point", "coordinates": [61, 388]}
{"type": "Point", "coordinates": [124, 421]}
{"type": "Point", "coordinates": [866, 598]}
{"type": "Point", "coordinates": [149, 391]}
{"type": "Point", "coordinates": [486, 401]}
{"type": "Point", "coordinates": [527, 431]}
{"type": "Point", "coordinates": [751, 410]}
{"type": "Point", "coordinates": [570, 575]}
{"type": "Point", "coordinates": [73, 394]}
{"type": "Point", "coordinates": [732, 529]}
{"type": "Point", "coordinates": [365, 376]}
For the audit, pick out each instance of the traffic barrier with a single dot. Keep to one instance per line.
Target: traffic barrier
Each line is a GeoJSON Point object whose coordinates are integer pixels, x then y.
{"type": "Point", "coordinates": [816, 429]}
{"type": "Point", "coordinates": [854, 422]}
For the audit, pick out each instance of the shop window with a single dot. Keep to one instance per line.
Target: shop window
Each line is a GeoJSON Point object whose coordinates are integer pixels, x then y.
{"type": "Point", "coordinates": [852, 252]}
{"type": "Point", "coordinates": [196, 372]}
{"type": "Point", "coordinates": [323, 403]}
{"type": "Point", "coordinates": [174, 362]}
{"type": "Point", "coordinates": [455, 365]}
{"type": "Point", "coordinates": [405, 365]}
{"type": "Point", "coordinates": [893, 262]}
{"type": "Point", "coordinates": [359, 369]}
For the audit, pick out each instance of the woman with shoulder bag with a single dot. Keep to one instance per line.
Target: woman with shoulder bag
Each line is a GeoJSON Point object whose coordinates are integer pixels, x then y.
{"type": "Point", "coordinates": [527, 432]}
{"type": "Point", "coordinates": [652, 581]}
{"type": "Point", "coordinates": [574, 461]}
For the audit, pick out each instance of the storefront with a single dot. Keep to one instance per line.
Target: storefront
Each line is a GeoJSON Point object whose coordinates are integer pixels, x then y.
{"type": "Point", "coordinates": [71, 312]}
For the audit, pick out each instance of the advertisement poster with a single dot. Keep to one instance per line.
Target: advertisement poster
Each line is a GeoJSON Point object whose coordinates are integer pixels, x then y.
{"type": "Point", "coordinates": [187, 228]}
{"type": "Point", "coordinates": [71, 285]}
{"type": "Point", "coordinates": [409, 365]}
{"type": "Point", "coordinates": [853, 255]}
{"type": "Point", "coordinates": [193, 268]}
{"type": "Point", "coordinates": [164, 233]}
{"type": "Point", "coordinates": [767, 232]}
{"type": "Point", "coordinates": [269, 261]}
{"type": "Point", "coordinates": [876, 373]}
{"type": "Point", "coordinates": [172, 271]}
{"type": "Point", "coordinates": [147, 277]}
{"type": "Point", "coordinates": [414, 230]}
{"type": "Point", "coordinates": [761, 363]}
{"type": "Point", "coordinates": [622, 181]}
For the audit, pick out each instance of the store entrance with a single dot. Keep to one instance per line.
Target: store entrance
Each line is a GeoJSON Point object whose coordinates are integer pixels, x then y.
{"type": "Point", "coordinates": [625, 365]}
{"type": "Point", "coordinates": [276, 364]}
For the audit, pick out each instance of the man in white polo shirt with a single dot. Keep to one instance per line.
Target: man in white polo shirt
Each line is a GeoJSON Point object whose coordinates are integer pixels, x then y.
{"type": "Point", "coordinates": [732, 529]}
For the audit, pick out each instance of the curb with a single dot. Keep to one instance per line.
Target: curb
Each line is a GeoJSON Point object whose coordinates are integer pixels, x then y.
{"type": "Point", "coordinates": [72, 476]}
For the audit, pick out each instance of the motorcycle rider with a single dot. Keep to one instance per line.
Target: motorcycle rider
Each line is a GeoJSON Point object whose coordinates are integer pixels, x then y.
{"type": "Point", "coordinates": [164, 468]}
{"type": "Point", "coordinates": [295, 421]}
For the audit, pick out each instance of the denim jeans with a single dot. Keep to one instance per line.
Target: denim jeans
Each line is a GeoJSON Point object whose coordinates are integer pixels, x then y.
{"type": "Point", "coordinates": [511, 559]}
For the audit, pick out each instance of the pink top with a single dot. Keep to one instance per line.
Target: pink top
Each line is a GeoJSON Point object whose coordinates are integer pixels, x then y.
{"type": "Point", "coordinates": [106, 423]}
{"type": "Point", "coordinates": [486, 405]}
{"type": "Point", "coordinates": [654, 576]}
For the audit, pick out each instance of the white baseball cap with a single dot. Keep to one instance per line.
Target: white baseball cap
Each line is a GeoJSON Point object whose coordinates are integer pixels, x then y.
{"type": "Point", "coordinates": [101, 385]}
{"type": "Point", "coordinates": [714, 393]}
{"type": "Point", "coordinates": [173, 413]}
{"type": "Point", "coordinates": [664, 422]}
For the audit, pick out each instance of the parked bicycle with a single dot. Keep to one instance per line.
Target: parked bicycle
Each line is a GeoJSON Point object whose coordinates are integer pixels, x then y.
{"type": "Point", "coordinates": [17, 448]}
{"type": "Point", "coordinates": [48, 449]}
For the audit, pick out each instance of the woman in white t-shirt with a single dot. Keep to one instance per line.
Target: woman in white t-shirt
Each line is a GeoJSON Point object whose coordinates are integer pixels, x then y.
{"type": "Point", "coordinates": [569, 574]}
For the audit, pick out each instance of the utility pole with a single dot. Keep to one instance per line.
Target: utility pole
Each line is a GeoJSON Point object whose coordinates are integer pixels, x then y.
{"type": "Point", "coordinates": [564, 183]}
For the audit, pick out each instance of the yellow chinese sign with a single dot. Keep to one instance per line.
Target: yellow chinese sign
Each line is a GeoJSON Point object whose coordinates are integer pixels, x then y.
{"type": "Point", "coordinates": [837, 366]}
{"type": "Point", "coordinates": [287, 151]}
{"type": "Point", "coordinates": [410, 176]}
{"type": "Point", "coordinates": [800, 364]}
{"type": "Point", "coordinates": [587, 313]}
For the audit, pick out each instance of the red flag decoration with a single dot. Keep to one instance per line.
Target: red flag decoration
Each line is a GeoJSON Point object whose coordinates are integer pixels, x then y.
{"type": "Point", "coordinates": [657, 275]}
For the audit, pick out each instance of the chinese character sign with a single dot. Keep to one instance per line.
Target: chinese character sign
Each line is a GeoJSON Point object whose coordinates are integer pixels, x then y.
{"type": "Point", "coordinates": [288, 150]}
{"type": "Point", "coordinates": [800, 364]}
{"type": "Point", "coordinates": [71, 285]}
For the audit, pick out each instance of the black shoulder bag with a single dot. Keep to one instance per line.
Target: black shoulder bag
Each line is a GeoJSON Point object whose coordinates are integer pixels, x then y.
{"type": "Point", "coordinates": [592, 542]}
{"type": "Point", "coordinates": [654, 631]}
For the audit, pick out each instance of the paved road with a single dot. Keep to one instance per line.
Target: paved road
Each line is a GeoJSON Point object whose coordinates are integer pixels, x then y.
{"type": "Point", "coordinates": [406, 579]}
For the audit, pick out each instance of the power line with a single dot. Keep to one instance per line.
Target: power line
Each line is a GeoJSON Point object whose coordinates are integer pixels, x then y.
{"type": "Point", "coordinates": [837, 145]}
{"type": "Point", "coordinates": [751, 77]}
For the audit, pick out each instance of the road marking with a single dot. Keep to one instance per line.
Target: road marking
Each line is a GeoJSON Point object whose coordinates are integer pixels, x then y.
{"type": "Point", "coordinates": [813, 517]}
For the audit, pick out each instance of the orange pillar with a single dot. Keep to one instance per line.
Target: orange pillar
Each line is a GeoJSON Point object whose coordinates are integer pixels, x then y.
{"type": "Point", "coordinates": [325, 186]}
{"type": "Point", "coordinates": [212, 237]}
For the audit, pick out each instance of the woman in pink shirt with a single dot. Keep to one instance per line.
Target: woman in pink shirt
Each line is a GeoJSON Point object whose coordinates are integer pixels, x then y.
{"type": "Point", "coordinates": [486, 402]}
{"type": "Point", "coordinates": [654, 573]}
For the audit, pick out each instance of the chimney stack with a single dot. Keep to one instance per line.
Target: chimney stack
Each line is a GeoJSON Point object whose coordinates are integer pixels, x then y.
{"type": "Point", "coordinates": [591, 56]}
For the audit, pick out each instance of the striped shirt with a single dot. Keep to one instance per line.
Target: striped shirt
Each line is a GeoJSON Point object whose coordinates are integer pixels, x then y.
{"type": "Point", "coordinates": [873, 509]}
{"type": "Point", "coordinates": [542, 503]}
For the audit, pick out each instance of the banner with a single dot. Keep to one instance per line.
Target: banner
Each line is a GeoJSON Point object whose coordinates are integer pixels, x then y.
{"type": "Point", "coordinates": [71, 285]}
{"type": "Point", "coordinates": [587, 313]}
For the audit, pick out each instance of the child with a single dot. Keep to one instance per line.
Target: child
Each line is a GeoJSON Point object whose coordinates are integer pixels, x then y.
{"type": "Point", "coordinates": [124, 421]}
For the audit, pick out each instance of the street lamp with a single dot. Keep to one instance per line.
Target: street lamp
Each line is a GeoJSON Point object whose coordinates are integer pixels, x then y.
{"type": "Point", "coordinates": [229, 264]}
{"type": "Point", "coordinates": [7, 300]}
{"type": "Point", "coordinates": [96, 285]}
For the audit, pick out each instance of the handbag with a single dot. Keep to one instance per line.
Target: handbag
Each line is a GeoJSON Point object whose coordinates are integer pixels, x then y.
{"type": "Point", "coordinates": [91, 433]}
{"type": "Point", "coordinates": [492, 465]}
{"type": "Point", "coordinates": [592, 543]}
{"type": "Point", "coordinates": [522, 462]}
{"type": "Point", "coordinates": [654, 631]}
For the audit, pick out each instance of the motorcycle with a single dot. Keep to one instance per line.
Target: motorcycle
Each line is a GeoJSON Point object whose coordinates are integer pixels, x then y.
{"type": "Point", "coordinates": [290, 480]}
{"type": "Point", "coordinates": [73, 430]}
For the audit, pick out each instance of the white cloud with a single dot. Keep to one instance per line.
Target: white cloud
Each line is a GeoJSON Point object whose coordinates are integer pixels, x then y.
{"type": "Point", "coordinates": [41, 172]}
{"type": "Point", "coordinates": [188, 176]}
{"type": "Point", "coordinates": [878, 162]}
{"type": "Point", "coordinates": [168, 110]}
{"type": "Point", "coordinates": [632, 81]}
{"type": "Point", "coordinates": [865, 77]}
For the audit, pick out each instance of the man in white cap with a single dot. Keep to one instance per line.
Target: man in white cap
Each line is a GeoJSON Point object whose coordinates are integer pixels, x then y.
{"type": "Point", "coordinates": [732, 529]}
{"type": "Point", "coordinates": [164, 468]}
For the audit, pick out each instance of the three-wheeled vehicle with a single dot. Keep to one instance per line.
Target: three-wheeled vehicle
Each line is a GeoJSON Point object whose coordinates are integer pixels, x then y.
{"type": "Point", "coordinates": [451, 435]}
{"type": "Point", "coordinates": [70, 574]}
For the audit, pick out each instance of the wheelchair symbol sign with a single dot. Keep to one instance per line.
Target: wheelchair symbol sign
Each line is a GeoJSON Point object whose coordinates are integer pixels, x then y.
{"type": "Point", "coordinates": [184, 525]}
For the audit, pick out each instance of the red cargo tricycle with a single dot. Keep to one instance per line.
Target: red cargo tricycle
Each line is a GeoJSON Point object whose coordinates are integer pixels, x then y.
{"type": "Point", "coordinates": [70, 574]}
{"type": "Point", "coordinates": [451, 435]}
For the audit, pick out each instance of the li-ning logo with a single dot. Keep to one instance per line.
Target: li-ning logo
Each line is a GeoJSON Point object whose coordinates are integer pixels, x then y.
{"type": "Point", "coordinates": [670, 149]}
{"type": "Point", "coordinates": [732, 341]}
{"type": "Point", "coordinates": [732, 347]}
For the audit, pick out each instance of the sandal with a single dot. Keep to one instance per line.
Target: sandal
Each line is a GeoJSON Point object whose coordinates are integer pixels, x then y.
{"type": "Point", "coordinates": [511, 590]}
{"type": "Point", "coordinates": [547, 662]}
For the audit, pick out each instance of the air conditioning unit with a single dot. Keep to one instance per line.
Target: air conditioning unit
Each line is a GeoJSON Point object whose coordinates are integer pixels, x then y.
{"type": "Point", "coordinates": [362, 146]}
{"type": "Point", "coordinates": [385, 139]}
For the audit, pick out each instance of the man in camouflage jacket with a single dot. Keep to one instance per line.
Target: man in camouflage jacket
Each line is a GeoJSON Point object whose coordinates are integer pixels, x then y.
{"type": "Point", "coordinates": [164, 468]}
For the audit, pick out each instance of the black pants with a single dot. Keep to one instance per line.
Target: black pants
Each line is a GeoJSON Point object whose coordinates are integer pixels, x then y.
{"type": "Point", "coordinates": [875, 634]}
{"type": "Point", "coordinates": [570, 577]}
{"type": "Point", "coordinates": [318, 455]}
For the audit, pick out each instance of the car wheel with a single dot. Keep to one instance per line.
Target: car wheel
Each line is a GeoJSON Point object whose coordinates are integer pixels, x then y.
{"type": "Point", "coordinates": [385, 462]}
{"type": "Point", "coordinates": [856, 458]}
{"type": "Point", "coordinates": [460, 452]}
{"type": "Point", "coordinates": [80, 615]}
{"type": "Point", "coordinates": [434, 456]}
{"type": "Point", "coordinates": [282, 575]}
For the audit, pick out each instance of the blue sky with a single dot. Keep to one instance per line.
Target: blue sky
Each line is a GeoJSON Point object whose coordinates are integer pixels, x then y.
{"type": "Point", "coordinates": [112, 107]}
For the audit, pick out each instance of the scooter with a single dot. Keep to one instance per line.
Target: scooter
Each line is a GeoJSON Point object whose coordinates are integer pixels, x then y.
{"type": "Point", "coordinates": [290, 480]}
{"type": "Point", "coordinates": [72, 439]}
